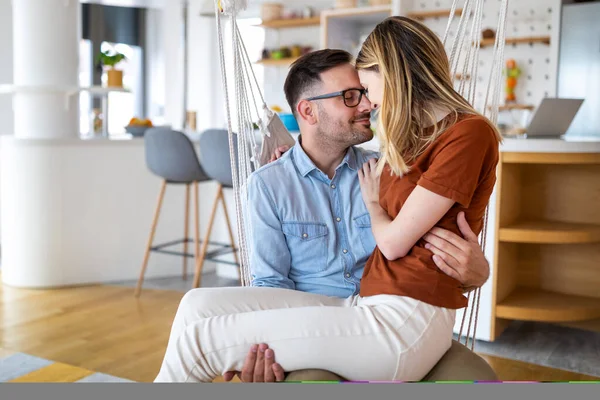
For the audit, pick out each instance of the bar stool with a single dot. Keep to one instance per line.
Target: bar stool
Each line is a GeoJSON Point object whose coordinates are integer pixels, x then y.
{"type": "Point", "coordinates": [171, 156]}
{"type": "Point", "coordinates": [216, 161]}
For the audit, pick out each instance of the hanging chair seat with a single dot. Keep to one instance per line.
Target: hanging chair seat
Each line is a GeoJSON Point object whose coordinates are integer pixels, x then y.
{"type": "Point", "coordinates": [458, 364]}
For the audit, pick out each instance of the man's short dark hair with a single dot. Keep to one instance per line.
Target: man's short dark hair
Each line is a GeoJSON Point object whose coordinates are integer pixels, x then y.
{"type": "Point", "coordinates": [305, 72]}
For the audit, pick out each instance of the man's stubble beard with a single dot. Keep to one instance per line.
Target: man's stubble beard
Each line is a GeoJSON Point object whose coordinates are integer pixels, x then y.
{"type": "Point", "coordinates": [339, 136]}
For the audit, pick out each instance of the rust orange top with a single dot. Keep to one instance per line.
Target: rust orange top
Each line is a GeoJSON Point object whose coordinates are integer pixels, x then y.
{"type": "Point", "coordinates": [460, 165]}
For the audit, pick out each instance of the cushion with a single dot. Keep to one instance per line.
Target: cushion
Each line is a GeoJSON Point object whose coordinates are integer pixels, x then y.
{"type": "Point", "coordinates": [458, 364]}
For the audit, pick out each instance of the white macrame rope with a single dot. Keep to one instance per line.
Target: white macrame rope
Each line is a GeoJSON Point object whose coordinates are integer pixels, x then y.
{"type": "Point", "coordinates": [243, 245]}
{"type": "Point", "coordinates": [490, 106]}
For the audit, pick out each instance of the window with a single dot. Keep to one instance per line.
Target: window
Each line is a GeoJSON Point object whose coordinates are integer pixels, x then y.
{"type": "Point", "coordinates": [124, 106]}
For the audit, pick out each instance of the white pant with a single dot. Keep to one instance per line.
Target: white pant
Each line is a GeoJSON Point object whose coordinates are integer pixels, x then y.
{"type": "Point", "coordinates": [376, 338]}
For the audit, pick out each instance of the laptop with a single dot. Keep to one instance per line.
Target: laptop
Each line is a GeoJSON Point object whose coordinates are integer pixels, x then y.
{"type": "Point", "coordinates": [553, 117]}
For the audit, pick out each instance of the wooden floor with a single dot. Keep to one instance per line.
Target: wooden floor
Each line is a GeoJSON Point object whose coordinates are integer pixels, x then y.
{"type": "Point", "coordinates": [105, 329]}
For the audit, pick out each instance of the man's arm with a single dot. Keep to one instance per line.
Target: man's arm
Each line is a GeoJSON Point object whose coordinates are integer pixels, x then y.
{"type": "Point", "coordinates": [462, 259]}
{"type": "Point", "coordinates": [270, 259]}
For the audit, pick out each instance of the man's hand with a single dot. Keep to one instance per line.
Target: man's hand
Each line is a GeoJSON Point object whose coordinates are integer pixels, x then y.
{"type": "Point", "coordinates": [260, 366]}
{"type": "Point", "coordinates": [279, 152]}
{"type": "Point", "coordinates": [462, 259]}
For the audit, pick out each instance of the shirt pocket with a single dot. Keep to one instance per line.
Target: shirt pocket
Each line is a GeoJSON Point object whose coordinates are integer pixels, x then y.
{"type": "Point", "coordinates": [363, 225]}
{"type": "Point", "coordinates": [308, 245]}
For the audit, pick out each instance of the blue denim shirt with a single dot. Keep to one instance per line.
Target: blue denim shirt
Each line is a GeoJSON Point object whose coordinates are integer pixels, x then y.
{"type": "Point", "coordinates": [308, 232]}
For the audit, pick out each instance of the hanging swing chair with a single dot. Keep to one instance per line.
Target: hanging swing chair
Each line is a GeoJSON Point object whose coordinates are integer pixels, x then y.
{"type": "Point", "coordinates": [460, 363]}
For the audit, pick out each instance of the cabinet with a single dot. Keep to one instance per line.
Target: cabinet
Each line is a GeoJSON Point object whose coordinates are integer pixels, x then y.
{"type": "Point", "coordinates": [547, 259]}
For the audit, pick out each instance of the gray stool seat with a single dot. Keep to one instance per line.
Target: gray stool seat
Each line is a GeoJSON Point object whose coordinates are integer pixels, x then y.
{"type": "Point", "coordinates": [458, 364]}
{"type": "Point", "coordinates": [172, 156]}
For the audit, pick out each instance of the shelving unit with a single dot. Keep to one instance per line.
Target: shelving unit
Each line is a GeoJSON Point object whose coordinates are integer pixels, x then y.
{"type": "Point", "coordinates": [277, 62]}
{"type": "Point", "coordinates": [286, 24]}
{"type": "Point", "coordinates": [547, 239]}
{"type": "Point", "coordinates": [291, 23]}
{"type": "Point", "coordinates": [421, 15]}
{"type": "Point", "coordinates": [520, 40]}
{"type": "Point", "coordinates": [510, 106]}
{"type": "Point", "coordinates": [343, 28]}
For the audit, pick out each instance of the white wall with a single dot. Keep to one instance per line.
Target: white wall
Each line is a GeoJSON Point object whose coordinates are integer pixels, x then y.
{"type": "Point", "coordinates": [155, 65]}
{"type": "Point", "coordinates": [173, 67]}
{"type": "Point", "coordinates": [205, 88]}
{"type": "Point", "coordinates": [6, 66]}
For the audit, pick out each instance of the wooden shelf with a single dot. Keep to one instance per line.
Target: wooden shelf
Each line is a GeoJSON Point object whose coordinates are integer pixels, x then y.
{"type": "Point", "coordinates": [551, 158]}
{"type": "Point", "coordinates": [280, 62]}
{"type": "Point", "coordinates": [291, 23]}
{"type": "Point", "coordinates": [532, 39]}
{"type": "Point", "coordinates": [528, 304]}
{"type": "Point", "coordinates": [550, 232]}
{"type": "Point", "coordinates": [433, 14]}
{"type": "Point", "coordinates": [508, 107]}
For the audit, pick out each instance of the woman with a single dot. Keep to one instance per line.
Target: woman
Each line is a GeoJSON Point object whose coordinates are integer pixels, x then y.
{"type": "Point", "coordinates": [438, 158]}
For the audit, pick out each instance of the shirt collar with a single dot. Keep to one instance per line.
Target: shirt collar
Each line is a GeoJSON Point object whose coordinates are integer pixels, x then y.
{"type": "Point", "coordinates": [305, 165]}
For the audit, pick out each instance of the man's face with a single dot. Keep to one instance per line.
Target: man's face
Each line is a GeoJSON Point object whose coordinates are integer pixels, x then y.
{"type": "Point", "coordinates": [336, 121]}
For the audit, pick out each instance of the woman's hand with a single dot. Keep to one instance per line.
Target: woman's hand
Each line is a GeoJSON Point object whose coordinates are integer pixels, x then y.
{"type": "Point", "coordinates": [369, 184]}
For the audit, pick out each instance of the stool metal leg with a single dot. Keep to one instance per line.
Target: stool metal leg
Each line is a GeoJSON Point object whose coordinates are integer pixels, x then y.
{"type": "Point", "coordinates": [200, 262]}
{"type": "Point", "coordinates": [151, 237]}
{"type": "Point", "coordinates": [186, 233]}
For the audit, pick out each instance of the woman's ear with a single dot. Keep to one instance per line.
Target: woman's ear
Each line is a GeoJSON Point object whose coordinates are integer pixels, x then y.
{"type": "Point", "coordinates": [307, 112]}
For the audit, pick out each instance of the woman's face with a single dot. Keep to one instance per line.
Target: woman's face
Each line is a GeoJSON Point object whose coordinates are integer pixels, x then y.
{"type": "Point", "coordinates": [373, 82]}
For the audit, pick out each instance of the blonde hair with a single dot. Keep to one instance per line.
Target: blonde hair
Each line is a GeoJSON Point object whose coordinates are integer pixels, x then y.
{"type": "Point", "coordinates": [417, 81]}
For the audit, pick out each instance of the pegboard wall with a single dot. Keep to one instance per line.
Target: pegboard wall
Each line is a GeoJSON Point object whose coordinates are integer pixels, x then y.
{"type": "Point", "coordinates": [525, 18]}
{"type": "Point", "coordinates": [538, 62]}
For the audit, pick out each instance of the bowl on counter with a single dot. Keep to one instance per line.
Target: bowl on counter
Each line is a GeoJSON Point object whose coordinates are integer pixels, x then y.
{"type": "Point", "coordinates": [136, 130]}
{"type": "Point", "coordinates": [289, 121]}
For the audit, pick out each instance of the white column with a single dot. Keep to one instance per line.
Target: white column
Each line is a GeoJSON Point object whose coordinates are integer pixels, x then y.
{"type": "Point", "coordinates": [6, 66]}
{"type": "Point", "coordinates": [46, 66]}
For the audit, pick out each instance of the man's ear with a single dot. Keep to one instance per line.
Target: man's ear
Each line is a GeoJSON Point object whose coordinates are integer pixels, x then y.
{"type": "Point", "coordinates": [307, 112]}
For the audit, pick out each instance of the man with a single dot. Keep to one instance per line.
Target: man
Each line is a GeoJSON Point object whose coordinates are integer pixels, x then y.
{"type": "Point", "coordinates": [310, 228]}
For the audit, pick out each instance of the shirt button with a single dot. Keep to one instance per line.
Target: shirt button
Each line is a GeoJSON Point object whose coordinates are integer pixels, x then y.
{"type": "Point", "coordinates": [345, 251]}
{"type": "Point", "coordinates": [338, 219]}
{"type": "Point", "coordinates": [333, 186]}
{"type": "Point", "coordinates": [305, 235]}
{"type": "Point", "coordinates": [347, 275]}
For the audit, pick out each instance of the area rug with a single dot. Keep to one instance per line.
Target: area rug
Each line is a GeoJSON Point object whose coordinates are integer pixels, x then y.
{"type": "Point", "coordinates": [20, 367]}
{"type": "Point", "coordinates": [548, 345]}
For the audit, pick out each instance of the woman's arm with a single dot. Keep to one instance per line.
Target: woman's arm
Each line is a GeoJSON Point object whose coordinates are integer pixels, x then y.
{"type": "Point", "coordinates": [419, 214]}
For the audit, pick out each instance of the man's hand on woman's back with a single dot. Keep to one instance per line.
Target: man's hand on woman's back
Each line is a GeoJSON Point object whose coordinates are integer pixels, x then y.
{"type": "Point", "coordinates": [462, 259]}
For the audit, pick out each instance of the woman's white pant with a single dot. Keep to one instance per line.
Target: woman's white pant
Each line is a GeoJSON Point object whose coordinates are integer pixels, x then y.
{"type": "Point", "coordinates": [376, 338]}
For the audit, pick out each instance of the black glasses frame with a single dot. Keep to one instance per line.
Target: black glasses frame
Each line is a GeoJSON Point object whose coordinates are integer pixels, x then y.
{"type": "Point", "coordinates": [343, 94]}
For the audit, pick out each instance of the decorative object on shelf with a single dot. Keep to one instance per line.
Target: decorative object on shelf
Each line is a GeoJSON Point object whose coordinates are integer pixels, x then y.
{"type": "Point", "coordinates": [289, 121]}
{"type": "Point", "coordinates": [190, 120]}
{"type": "Point", "coordinates": [308, 12]}
{"type": "Point", "coordinates": [137, 127]}
{"type": "Point", "coordinates": [512, 73]}
{"type": "Point", "coordinates": [284, 54]}
{"type": "Point", "coordinates": [488, 34]}
{"type": "Point", "coordinates": [97, 120]}
{"type": "Point", "coordinates": [345, 3]}
{"type": "Point", "coordinates": [271, 11]}
{"type": "Point", "coordinates": [114, 75]}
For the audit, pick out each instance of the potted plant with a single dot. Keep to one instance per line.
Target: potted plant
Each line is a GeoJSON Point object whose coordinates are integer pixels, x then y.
{"type": "Point", "coordinates": [115, 76]}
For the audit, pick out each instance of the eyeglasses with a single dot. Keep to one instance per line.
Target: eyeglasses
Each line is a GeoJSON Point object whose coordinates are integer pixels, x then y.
{"type": "Point", "coordinates": [352, 97]}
